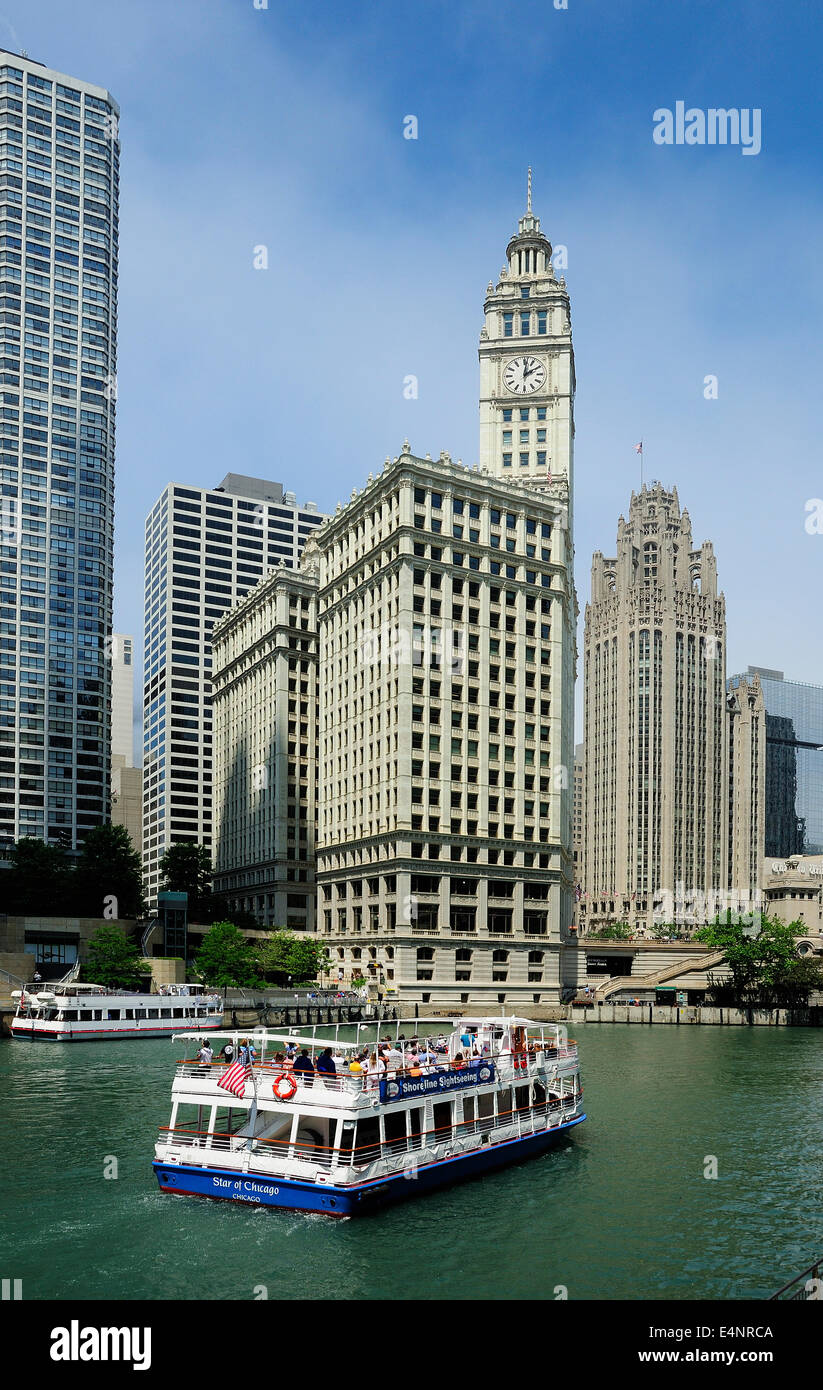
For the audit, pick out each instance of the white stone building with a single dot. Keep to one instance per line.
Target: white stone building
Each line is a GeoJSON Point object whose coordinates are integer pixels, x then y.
{"type": "Point", "coordinates": [265, 705]}
{"type": "Point", "coordinates": [444, 836]}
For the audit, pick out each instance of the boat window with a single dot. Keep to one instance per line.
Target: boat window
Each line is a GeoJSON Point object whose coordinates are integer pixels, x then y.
{"type": "Point", "coordinates": [485, 1111]}
{"type": "Point", "coordinates": [98, 1015]}
{"type": "Point", "coordinates": [177, 1013]}
{"type": "Point", "coordinates": [504, 1103]}
{"type": "Point", "coordinates": [521, 1097]}
{"type": "Point", "coordinates": [442, 1116]}
{"type": "Point", "coordinates": [129, 1013]}
{"type": "Point", "coordinates": [395, 1123]}
{"type": "Point", "coordinates": [86, 1014]}
{"type": "Point", "coordinates": [69, 1016]}
{"type": "Point", "coordinates": [113, 1014]}
{"type": "Point", "coordinates": [468, 1115]}
{"type": "Point", "coordinates": [346, 1140]}
{"type": "Point", "coordinates": [152, 1013]}
{"type": "Point", "coordinates": [165, 1013]}
{"type": "Point", "coordinates": [415, 1126]}
{"type": "Point", "coordinates": [368, 1140]}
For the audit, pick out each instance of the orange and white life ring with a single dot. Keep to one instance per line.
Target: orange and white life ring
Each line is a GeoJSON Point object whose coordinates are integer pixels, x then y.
{"type": "Point", "coordinates": [284, 1086]}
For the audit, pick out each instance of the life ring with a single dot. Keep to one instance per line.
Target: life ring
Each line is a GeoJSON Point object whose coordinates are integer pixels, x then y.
{"type": "Point", "coordinates": [284, 1086]}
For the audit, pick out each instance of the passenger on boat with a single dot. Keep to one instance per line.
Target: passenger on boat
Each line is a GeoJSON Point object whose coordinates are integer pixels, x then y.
{"type": "Point", "coordinates": [355, 1065]}
{"type": "Point", "coordinates": [291, 1051]}
{"type": "Point", "coordinates": [305, 1065]}
{"type": "Point", "coordinates": [247, 1052]}
{"type": "Point", "coordinates": [227, 1052]}
{"type": "Point", "coordinates": [205, 1055]}
{"type": "Point", "coordinates": [459, 1061]}
{"type": "Point", "coordinates": [326, 1067]}
{"type": "Point", "coordinates": [393, 1058]}
{"type": "Point", "coordinates": [441, 1045]}
{"type": "Point", "coordinates": [279, 1059]}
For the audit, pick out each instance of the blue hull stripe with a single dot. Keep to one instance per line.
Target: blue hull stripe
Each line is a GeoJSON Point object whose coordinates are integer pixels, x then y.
{"type": "Point", "coordinates": [227, 1184]}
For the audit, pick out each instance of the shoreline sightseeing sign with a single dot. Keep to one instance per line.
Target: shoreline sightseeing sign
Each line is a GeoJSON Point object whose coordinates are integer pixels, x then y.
{"type": "Point", "coordinates": [475, 1074]}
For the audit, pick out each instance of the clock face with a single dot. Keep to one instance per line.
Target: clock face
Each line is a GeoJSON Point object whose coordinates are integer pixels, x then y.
{"type": "Point", "coordinates": [523, 375]}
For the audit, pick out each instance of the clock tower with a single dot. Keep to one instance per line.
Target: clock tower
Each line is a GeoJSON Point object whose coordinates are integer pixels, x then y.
{"type": "Point", "coordinates": [527, 367]}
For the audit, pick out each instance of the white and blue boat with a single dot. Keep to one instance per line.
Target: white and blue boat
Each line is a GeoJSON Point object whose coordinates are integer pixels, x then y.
{"type": "Point", "coordinates": [489, 1093]}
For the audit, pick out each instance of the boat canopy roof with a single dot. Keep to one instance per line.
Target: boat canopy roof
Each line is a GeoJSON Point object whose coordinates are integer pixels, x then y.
{"type": "Point", "coordinates": [265, 1036]}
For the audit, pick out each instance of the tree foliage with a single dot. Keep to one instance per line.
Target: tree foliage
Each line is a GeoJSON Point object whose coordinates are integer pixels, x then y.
{"type": "Point", "coordinates": [766, 971]}
{"type": "Point", "coordinates": [187, 868]}
{"type": "Point", "coordinates": [283, 954]}
{"type": "Point", "coordinates": [38, 880]}
{"type": "Point", "coordinates": [109, 867]}
{"type": "Point", "coordinates": [112, 959]}
{"type": "Point", "coordinates": [226, 960]}
{"type": "Point", "coordinates": [616, 931]}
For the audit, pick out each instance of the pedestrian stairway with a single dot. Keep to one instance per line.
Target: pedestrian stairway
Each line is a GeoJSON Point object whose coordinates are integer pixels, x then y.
{"type": "Point", "coordinates": [669, 972]}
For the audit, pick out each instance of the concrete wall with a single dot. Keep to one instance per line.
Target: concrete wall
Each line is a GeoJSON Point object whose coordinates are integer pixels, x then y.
{"type": "Point", "coordinates": [685, 1014]}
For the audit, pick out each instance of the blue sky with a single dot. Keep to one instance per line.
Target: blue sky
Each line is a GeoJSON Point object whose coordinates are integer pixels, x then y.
{"type": "Point", "coordinates": [284, 127]}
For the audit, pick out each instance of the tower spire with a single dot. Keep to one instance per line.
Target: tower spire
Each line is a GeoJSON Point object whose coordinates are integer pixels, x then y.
{"type": "Point", "coordinates": [529, 193]}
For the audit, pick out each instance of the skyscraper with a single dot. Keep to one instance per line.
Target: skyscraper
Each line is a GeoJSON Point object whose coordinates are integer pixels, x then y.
{"type": "Point", "coordinates": [205, 548]}
{"type": "Point", "coordinates": [126, 779]}
{"type": "Point", "coordinates": [673, 796]}
{"type": "Point", "coordinates": [794, 763]}
{"type": "Point", "coordinates": [58, 306]}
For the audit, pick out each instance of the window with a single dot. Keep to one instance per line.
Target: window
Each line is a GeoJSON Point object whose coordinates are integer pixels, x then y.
{"type": "Point", "coordinates": [541, 321]}
{"type": "Point", "coordinates": [508, 325]}
{"type": "Point", "coordinates": [524, 325]}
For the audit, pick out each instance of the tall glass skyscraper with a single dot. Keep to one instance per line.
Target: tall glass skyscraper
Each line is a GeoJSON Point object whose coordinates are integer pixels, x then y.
{"type": "Point", "coordinates": [794, 764]}
{"type": "Point", "coordinates": [59, 155]}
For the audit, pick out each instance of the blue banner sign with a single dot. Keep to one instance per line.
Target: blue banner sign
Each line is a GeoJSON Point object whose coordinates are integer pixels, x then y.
{"type": "Point", "coordinates": [404, 1087]}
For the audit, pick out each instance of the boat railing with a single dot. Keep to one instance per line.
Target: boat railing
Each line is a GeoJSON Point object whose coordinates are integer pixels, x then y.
{"type": "Point", "coordinates": [525, 1120]}
{"type": "Point", "coordinates": [507, 1065]}
{"type": "Point", "coordinates": [805, 1287]}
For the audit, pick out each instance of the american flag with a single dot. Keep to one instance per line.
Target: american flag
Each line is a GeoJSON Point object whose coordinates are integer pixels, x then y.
{"type": "Point", "coordinates": [235, 1078]}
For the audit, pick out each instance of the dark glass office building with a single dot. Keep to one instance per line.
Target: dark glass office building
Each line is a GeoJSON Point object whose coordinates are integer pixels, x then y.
{"type": "Point", "coordinates": [794, 764]}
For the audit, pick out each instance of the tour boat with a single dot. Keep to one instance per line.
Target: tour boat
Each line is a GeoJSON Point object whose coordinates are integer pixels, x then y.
{"type": "Point", "coordinates": [345, 1143]}
{"type": "Point", "coordinates": [72, 1012]}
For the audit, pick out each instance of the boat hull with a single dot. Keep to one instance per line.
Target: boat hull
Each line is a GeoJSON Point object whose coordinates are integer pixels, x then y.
{"type": "Point", "coordinates": [187, 1180]}
{"type": "Point", "coordinates": [108, 1034]}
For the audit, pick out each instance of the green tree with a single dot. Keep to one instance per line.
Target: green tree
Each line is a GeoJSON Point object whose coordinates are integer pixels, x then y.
{"type": "Point", "coordinates": [766, 971]}
{"type": "Point", "coordinates": [617, 931]}
{"type": "Point", "coordinates": [112, 959]}
{"type": "Point", "coordinates": [284, 954]}
{"type": "Point", "coordinates": [108, 878]}
{"type": "Point", "coordinates": [187, 868]}
{"type": "Point", "coordinates": [225, 959]}
{"type": "Point", "coordinates": [38, 879]}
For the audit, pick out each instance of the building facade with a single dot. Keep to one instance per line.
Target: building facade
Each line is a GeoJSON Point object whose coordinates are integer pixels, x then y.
{"type": "Point", "coordinates": [445, 623]}
{"type": "Point", "coordinates": [58, 335]}
{"type": "Point", "coordinates": [794, 763]}
{"type": "Point", "coordinates": [265, 709]}
{"type": "Point", "coordinates": [673, 801]}
{"type": "Point", "coordinates": [205, 549]}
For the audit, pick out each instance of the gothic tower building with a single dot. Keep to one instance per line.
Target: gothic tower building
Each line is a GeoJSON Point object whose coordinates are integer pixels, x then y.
{"type": "Point", "coordinates": [667, 820]}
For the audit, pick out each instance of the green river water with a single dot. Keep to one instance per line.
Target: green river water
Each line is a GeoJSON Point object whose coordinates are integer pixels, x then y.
{"type": "Point", "coordinates": [622, 1211]}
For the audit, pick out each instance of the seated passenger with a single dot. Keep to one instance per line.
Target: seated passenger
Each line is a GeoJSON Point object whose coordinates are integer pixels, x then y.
{"type": "Point", "coordinates": [458, 1061]}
